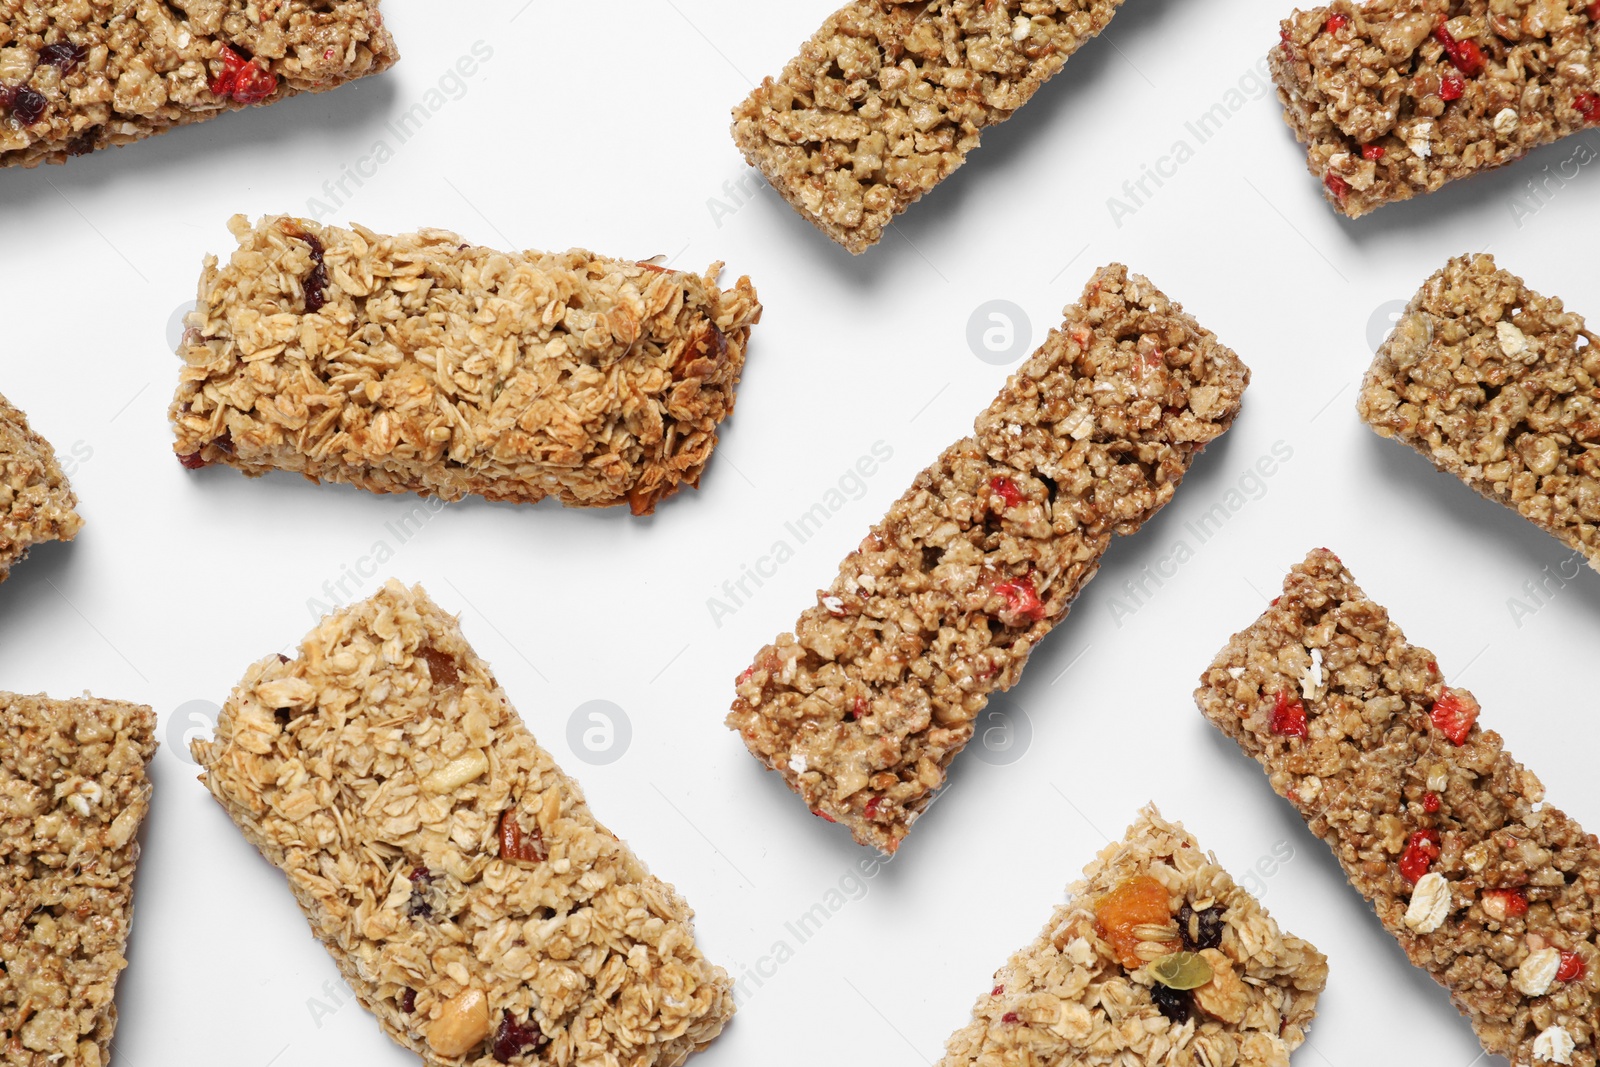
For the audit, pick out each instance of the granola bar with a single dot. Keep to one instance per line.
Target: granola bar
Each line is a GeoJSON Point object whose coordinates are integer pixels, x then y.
{"type": "Point", "coordinates": [36, 501]}
{"type": "Point", "coordinates": [80, 75]}
{"type": "Point", "coordinates": [456, 875]}
{"type": "Point", "coordinates": [73, 792]}
{"type": "Point", "coordinates": [423, 364]}
{"type": "Point", "coordinates": [1497, 385]}
{"type": "Point", "coordinates": [888, 98]}
{"type": "Point", "coordinates": [1486, 888]}
{"type": "Point", "coordinates": [1158, 958]}
{"type": "Point", "coordinates": [1394, 98]}
{"type": "Point", "coordinates": [864, 705]}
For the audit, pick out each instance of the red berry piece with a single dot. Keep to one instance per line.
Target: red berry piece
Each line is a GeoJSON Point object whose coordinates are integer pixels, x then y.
{"type": "Point", "coordinates": [745, 675]}
{"type": "Point", "coordinates": [513, 1039]}
{"type": "Point", "coordinates": [1466, 55]}
{"type": "Point", "coordinates": [1588, 105]}
{"type": "Point", "coordinates": [1007, 490]}
{"type": "Point", "coordinates": [1451, 87]}
{"type": "Point", "coordinates": [243, 81]}
{"type": "Point", "coordinates": [1454, 714]}
{"type": "Point", "coordinates": [997, 991]}
{"type": "Point", "coordinates": [193, 461]}
{"type": "Point", "coordinates": [819, 813]}
{"type": "Point", "coordinates": [1289, 718]}
{"type": "Point", "coordinates": [1512, 903]}
{"type": "Point", "coordinates": [1571, 968]}
{"type": "Point", "coordinates": [1373, 152]}
{"type": "Point", "coordinates": [1336, 23]}
{"type": "Point", "coordinates": [64, 56]}
{"type": "Point", "coordinates": [871, 810]}
{"type": "Point", "coordinates": [1284, 43]}
{"type": "Point", "coordinates": [1337, 186]}
{"type": "Point", "coordinates": [1021, 599]}
{"type": "Point", "coordinates": [1421, 851]}
{"type": "Point", "coordinates": [1594, 11]}
{"type": "Point", "coordinates": [1009, 1017]}
{"type": "Point", "coordinates": [1433, 667]}
{"type": "Point", "coordinates": [1431, 803]}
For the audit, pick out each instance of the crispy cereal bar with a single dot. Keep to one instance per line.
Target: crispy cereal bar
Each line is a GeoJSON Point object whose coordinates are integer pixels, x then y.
{"type": "Point", "coordinates": [1396, 97]}
{"type": "Point", "coordinates": [1497, 385]}
{"type": "Point", "coordinates": [888, 98]}
{"type": "Point", "coordinates": [36, 501]}
{"type": "Point", "coordinates": [1484, 886]}
{"type": "Point", "coordinates": [422, 364]}
{"type": "Point", "coordinates": [73, 792]}
{"type": "Point", "coordinates": [453, 871]}
{"type": "Point", "coordinates": [863, 707]}
{"type": "Point", "coordinates": [76, 75]}
{"type": "Point", "coordinates": [1157, 958]}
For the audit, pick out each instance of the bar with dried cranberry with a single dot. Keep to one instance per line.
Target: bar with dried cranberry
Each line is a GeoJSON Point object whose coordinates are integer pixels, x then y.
{"type": "Point", "coordinates": [886, 100]}
{"type": "Point", "coordinates": [81, 75]}
{"type": "Point", "coordinates": [1487, 888]}
{"type": "Point", "coordinates": [73, 793]}
{"type": "Point", "coordinates": [1497, 385]}
{"type": "Point", "coordinates": [36, 500]}
{"type": "Point", "coordinates": [423, 364]}
{"type": "Point", "coordinates": [863, 706]}
{"type": "Point", "coordinates": [455, 874]}
{"type": "Point", "coordinates": [1158, 957]}
{"type": "Point", "coordinates": [1394, 98]}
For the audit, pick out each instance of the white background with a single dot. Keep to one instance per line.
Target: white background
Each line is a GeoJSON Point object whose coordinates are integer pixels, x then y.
{"type": "Point", "coordinates": [609, 130]}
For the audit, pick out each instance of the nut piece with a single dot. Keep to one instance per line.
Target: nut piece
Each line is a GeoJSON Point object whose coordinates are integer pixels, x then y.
{"type": "Point", "coordinates": [1537, 973]}
{"type": "Point", "coordinates": [1554, 1045]}
{"type": "Point", "coordinates": [1430, 904]}
{"type": "Point", "coordinates": [1225, 996]}
{"type": "Point", "coordinates": [463, 1025]}
{"type": "Point", "coordinates": [1513, 342]}
{"type": "Point", "coordinates": [286, 693]}
{"type": "Point", "coordinates": [458, 772]}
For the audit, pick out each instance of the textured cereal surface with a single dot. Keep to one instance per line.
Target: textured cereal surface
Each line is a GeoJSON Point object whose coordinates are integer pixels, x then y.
{"type": "Point", "coordinates": [1500, 387]}
{"type": "Point", "coordinates": [382, 771]}
{"type": "Point", "coordinates": [92, 73]}
{"type": "Point", "coordinates": [36, 501]}
{"type": "Point", "coordinates": [888, 98]}
{"type": "Point", "coordinates": [1383, 80]}
{"type": "Point", "coordinates": [73, 792]}
{"type": "Point", "coordinates": [864, 705]}
{"type": "Point", "coordinates": [1363, 775]}
{"type": "Point", "coordinates": [423, 364]}
{"type": "Point", "coordinates": [1069, 1000]}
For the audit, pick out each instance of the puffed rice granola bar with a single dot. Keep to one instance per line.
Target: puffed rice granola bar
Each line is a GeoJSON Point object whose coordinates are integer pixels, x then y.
{"type": "Point", "coordinates": [1394, 98]}
{"type": "Point", "coordinates": [864, 705]}
{"type": "Point", "coordinates": [1486, 888]}
{"type": "Point", "coordinates": [80, 75]}
{"type": "Point", "coordinates": [456, 875]}
{"type": "Point", "coordinates": [36, 501]}
{"type": "Point", "coordinates": [888, 98]}
{"type": "Point", "coordinates": [73, 792]}
{"type": "Point", "coordinates": [1158, 958]}
{"type": "Point", "coordinates": [423, 364]}
{"type": "Point", "coordinates": [1497, 385]}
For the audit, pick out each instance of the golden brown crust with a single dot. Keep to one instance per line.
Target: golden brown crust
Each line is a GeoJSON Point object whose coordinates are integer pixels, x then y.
{"type": "Point", "coordinates": [36, 500]}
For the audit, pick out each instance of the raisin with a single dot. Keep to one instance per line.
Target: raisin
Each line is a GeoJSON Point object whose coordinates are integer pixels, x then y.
{"type": "Point", "coordinates": [441, 666]}
{"type": "Point", "coordinates": [1174, 1004]}
{"type": "Point", "coordinates": [27, 105]}
{"type": "Point", "coordinates": [316, 283]}
{"type": "Point", "coordinates": [513, 1039]}
{"type": "Point", "coordinates": [421, 881]}
{"type": "Point", "coordinates": [192, 461]}
{"type": "Point", "coordinates": [408, 1001]}
{"type": "Point", "coordinates": [1200, 929]}
{"type": "Point", "coordinates": [64, 56]}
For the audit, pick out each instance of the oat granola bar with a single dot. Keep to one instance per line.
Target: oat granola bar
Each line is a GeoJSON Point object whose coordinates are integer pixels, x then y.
{"type": "Point", "coordinates": [422, 364]}
{"type": "Point", "coordinates": [36, 501]}
{"type": "Point", "coordinates": [80, 75]}
{"type": "Point", "coordinates": [1158, 958]}
{"type": "Point", "coordinates": [456, 875]}
{"type": "Point", "coordinates": [1394, 98]}
{"type": "Point", "coordinates": [1489, 890]}
{"type": "Point", "coordinates": [73, 792]}
{"type": "Point", "coordinates": [865, 704]}
{"type": "Point", "coordinates": [1497, 385]}
{"type": "Point", "coordinates": [888, 98]}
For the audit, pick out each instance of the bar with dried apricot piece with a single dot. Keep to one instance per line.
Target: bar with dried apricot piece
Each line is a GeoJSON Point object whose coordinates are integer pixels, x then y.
{"type": "Point", "coordinates": [36, 500]}
{"type": "Point", "coordinates": [423, 364]}
{"type": "Point", "coordinates": [456, 875]}
{"type": "Point", "coordinates": [1486, 887]}
{"type": "Point", "coordinates": [863, 706]}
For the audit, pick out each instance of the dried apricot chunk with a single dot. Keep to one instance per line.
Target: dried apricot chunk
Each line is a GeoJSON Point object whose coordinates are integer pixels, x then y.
{"type": "Point", "coordinates": [1138, 902]}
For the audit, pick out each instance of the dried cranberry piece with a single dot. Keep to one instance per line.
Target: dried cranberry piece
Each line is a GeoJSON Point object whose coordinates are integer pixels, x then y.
{"type": "Point", "coordinates": [1337, 186]}
{"type": "Point", "coordinates": [1336, 23]}
{"type": "Point", "coordinates": [1421, 851]}
{"type": "Point", "coordinates": [1431, 803]}
{"type": "Point", "coordinates": [1588, 105]}
{"type": "Point", "coordinates": [1022, 599]}
{"type": "Point", "coordinates": [27, 105]}
{"type": "Point", "coordinates": [1200, 929]}
{"type": "Point", "coordinates": [871, 810]}
{"type": "Point", "coordinates": [998, 990]}
{"type": "Point", "coordinates": [1451, 87]}
{"type": "Point", "coordinates": [408, 1001]}
{"type": "Point", "coordinates": [1372, 152]}
{"type": "Point", "coordinates": [1174, 1004]}
{"type": "Point", "coordinates": [243, 81]}
{"type": "Point", "coordinates": [193, 461]}
{"type": "Point", "coordinates": [1465, 55]}
{"type": "Point", "coordinates": [1010, 1017]}
{"type": "Point", "coordinates": [513, 1039]}
{"type": "Point", "coordinates": [64, 56]}
{"type": "Point", "coordinates": [1572, 967]}
{"type": "Point", "coordinates": [1289, 718]}
{"type": "Point", "coordinates": [1007, 490]}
